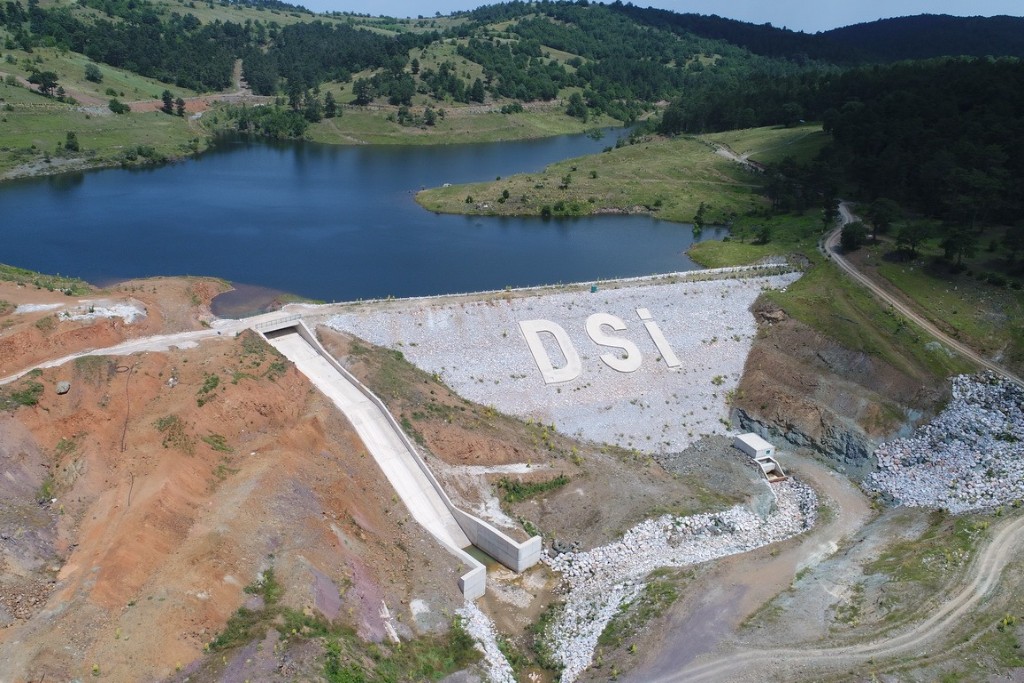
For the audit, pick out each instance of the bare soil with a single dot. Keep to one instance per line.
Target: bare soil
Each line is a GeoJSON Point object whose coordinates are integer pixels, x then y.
{"type": "Point", "coordinates": [817, 394]}
{"type": "Point", "coordinates": [170, 304]}
{"type": "Point", "coordinates": [134, 516]}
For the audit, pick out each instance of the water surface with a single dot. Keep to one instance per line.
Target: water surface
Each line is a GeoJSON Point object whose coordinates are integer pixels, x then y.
{"type": "Point", "coordinates": [326, 222]}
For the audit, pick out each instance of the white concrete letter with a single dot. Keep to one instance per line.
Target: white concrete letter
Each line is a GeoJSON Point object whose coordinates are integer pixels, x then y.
{"type": "Point", "coordinates": [633, 358]}
{"type": "Point", "coordinates": [658, 338]}
{"type": "Point", "coordinates": [531, 330]}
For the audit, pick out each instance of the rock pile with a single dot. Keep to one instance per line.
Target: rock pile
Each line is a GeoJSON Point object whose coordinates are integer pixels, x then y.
{"type": "Point", "coordinates": [597, 583]}
{"type": "Point", "coordinates": [480, 627]}
{"type": "Point", "coordinates": [971, 456]}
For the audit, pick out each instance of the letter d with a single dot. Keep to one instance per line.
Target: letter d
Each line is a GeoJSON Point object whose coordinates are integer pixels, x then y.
{"type": "Point", "coordinates": [531, 330]}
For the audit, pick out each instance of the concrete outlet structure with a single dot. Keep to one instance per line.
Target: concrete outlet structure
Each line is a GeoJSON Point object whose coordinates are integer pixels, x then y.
{"type": "Point", "coordinates": [763, 454]}
{"type": "Point", "coordinates": [413, 481]}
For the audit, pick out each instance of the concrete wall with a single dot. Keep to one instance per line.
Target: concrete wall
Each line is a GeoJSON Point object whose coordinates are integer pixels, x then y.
{"type": "Point", "coordinates": [514, 555]}
{"type": "Point", "coordinates": [506, 550]}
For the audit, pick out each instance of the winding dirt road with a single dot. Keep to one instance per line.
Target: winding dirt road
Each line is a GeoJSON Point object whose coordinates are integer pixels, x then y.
{"type": "Point", "coordinates": [782, 664]}
{"type": "Point", "coordinates": [830, 248]}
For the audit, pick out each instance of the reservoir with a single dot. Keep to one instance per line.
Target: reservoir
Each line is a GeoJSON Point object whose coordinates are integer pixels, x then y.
{"type": "Point", "coordinates": [325, 222]}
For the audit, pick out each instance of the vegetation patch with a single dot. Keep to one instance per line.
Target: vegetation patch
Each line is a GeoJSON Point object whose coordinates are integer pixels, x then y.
{"type": "Point", "coordinates": [46, 490]}
{"type": "Point", "coordinates": [175, 435]}
{"type": "Point", "coordinates": [27, 392]}
{"type": "Point", "coordinates": [205, 393]}
{"type": "Point", "coordinates": [94, 369]}
{"type": "Point", "coordinates": [515, 491]}
{"type": "Point", "coordinates": [51, 283]}
{"type": "Point", "coordinates": [659, 593]}
{"type": "Point", "coordinates": [218, 443]}
{"type": "Point", "coordinates": [347, 659]}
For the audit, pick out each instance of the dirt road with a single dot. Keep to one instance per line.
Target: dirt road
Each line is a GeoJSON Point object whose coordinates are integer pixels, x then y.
{"type": "Point", "coordinates": [783, 664]}
{"type": "Point", "coordinates": [830, 248]}
{"type": "Point", "coordinates": [741, 584]}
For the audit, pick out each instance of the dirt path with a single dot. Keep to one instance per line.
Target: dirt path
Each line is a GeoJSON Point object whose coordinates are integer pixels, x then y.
{"type": "Point", "coordinates": [762, 664]}
{"type": "Point", "coordinates": [157, 343]}
{"type": "Point", "coordinates": [742, 583]}
{"type": "Point", "coordinates": [830, 248]}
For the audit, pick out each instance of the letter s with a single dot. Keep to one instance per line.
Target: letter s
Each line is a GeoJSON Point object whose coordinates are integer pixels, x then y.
{"type": "Point", "coordinates": [633, 358]}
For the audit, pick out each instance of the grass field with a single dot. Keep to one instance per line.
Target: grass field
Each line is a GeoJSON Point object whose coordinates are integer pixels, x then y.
{"type": "Point", "coordinates": [70, 68]}
{"type": "Point", "coordinates": [31, 127]}
{"type": "Point", "coordinates": [772, 144]}
{"type": "Point", "coordinates": [987, 317]}
{"type": "Point", "coordinates": [365, 126]}
{"type": "Point", "coordinates": [669, 178]}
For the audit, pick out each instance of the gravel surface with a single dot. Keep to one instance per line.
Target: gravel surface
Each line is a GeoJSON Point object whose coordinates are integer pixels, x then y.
{"type": "Point", "coordinates": [600, 581]}
{"type": "Point", "coordinates": [91, 309]}
{"type": "Point", "coordinates": [971, 456]}
{"type": "Point", "coordinates": [478, 350]}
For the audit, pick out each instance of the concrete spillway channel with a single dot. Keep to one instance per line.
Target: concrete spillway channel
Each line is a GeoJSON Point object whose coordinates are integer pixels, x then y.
{"type": "Point", "coordinates": [412, 480]}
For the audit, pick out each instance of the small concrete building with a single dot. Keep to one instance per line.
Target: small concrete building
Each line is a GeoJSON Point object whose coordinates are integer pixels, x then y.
{"type": "Point", "coordinates": [754, 446]}
{"type": "Point", "coordinates": [761, 451]}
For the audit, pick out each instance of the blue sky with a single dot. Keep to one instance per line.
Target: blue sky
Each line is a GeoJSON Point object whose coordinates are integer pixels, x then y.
{"type": "Point", "coordinates": [800, 15]}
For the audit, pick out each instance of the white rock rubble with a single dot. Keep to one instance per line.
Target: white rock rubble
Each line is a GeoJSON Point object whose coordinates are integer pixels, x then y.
{"type": "Point", "coordinates": [970, 457]}
{"type": "Point", "coordinates": [479, 626]}
{"type": "Point", "coordinates": [599, 582]}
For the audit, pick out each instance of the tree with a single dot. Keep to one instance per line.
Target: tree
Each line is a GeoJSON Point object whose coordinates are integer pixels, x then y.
{"type": "Point", "coordinates": [881, 214]}
{"type": "Point", "coordinates": [45, 80]}
{"type": "Point", "coordinates": [168, 100]}
{"type": "Point", "coordinates": [314, 110]}
{"type": "Point", "coordinates": [764, 234]}
{"type": "Point", "coordinates": [698, 218]}
{"type": "Point", "coordinates": [829, 212]}
{"type": "Point", "coordinates": [402, 90]}
{"type": "Point", "coordinates": [792, 113]}
{"type": "Point", "coordinates": [362, 88]}
{"type": "Point", "coordinates": [330, 106]}
{"type": "Point", "coordinates": [119, 107]}
{"type": "Point", "coordinates": [179, 107]}
{"type": "Point", "coordinates": [1013, 242]}
{"type": "Point", "coordinates": [71, 142]}
{"type": "Point", "coordinates": [93, 73]}
{"type": "Point", "coordinates": [577, 107]}
{"type": "Point", "coordinates": [430, 116]}
{"type": "Point", "coordinates": [476, 93]}
{"type": "Point", "coordinates": [911, 234]}
{"type": "Point", "coordinates": [959, 241]}
{"type": "Point", "coordinates": [414, 66]}
{"type": "Point", "coordinates": [854, 236]}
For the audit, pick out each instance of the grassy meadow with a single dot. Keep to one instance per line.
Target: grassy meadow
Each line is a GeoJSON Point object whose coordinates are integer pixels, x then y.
{"type": "Point", "coordinates": [34, 129]}
{"type": "Point", "coordinates": [668, 178]}
{"type": "Point", "coordinates": [772, 144]}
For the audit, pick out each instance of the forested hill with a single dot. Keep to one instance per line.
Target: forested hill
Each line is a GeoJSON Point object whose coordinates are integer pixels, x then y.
{"type": "Point", "coordinates": [932, 35]}
{"type": "Point", "coordinates": [885, 40]}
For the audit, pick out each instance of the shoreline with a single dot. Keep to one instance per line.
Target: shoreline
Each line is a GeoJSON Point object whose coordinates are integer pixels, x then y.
{"type": "Point", "coordinates": [56, 166]}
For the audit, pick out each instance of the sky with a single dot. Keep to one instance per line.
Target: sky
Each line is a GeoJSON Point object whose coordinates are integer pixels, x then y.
{"type": "Point", "coordinates": [800, 15]}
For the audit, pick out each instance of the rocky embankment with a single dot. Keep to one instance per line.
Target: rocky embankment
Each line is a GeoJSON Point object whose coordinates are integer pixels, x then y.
{"type": "Point", "coordinates": [968, 458]}
{"type": "Point", "coordinates": [598, 582]}
{"type": "Point", "coordinates": [481, 628]}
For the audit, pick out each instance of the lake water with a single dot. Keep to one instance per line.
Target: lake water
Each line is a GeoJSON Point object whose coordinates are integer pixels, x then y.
{"type": "Point", "coordinates": [326, 222]}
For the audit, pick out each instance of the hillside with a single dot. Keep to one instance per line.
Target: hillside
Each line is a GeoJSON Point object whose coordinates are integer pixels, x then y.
{"type": "Point", "coordinates": [499, 72]}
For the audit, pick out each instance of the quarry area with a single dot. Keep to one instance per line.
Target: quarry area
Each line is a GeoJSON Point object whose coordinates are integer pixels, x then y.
{"type": "Point", "coordinates": [171, 477]}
